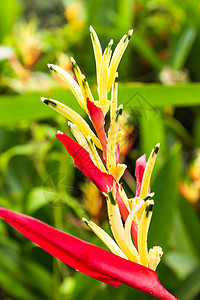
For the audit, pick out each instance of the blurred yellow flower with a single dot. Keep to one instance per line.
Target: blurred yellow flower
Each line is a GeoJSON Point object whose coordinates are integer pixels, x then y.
{"type": "Point", "coordinates": [73, 15]}
{"type": "Point", "coordinates": [191, 190]}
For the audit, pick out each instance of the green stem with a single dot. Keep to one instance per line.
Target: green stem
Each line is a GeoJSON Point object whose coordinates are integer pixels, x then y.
{"type": "Point", "coordinates": [64, 168]}
{"type": "Point", "coordinates": [56, 280]}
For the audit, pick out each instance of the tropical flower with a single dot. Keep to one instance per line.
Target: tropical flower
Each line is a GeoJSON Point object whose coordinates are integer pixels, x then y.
{"type": "Point", "coordinates": [130, 262]}
{"type": "Point", "coordinates": [27, 42]}
{"type": "Point", "coordinates": [191, 190]}
{"type": "Point", "coordinates": [75, 16]}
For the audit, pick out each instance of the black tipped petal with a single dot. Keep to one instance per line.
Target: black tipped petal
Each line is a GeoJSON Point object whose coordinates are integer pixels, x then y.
{"type": "Point", "coordinates": [49, 102]}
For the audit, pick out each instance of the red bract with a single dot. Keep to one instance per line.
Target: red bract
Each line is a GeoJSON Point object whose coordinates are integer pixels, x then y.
{"type": "Point", "coordinates": [139, 171]}
{"type": "Point", "coordinates": [98, 121]}
{"type": "Point", "coordinates": [102, 180]}
{"type": "Point", "coordinates": [83, 161]}
{"type": "Point", "coordinates": [87, 258]}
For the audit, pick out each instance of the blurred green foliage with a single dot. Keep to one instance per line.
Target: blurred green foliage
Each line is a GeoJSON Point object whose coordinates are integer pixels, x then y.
{"type": "Point", "coordinates": [37, 177]}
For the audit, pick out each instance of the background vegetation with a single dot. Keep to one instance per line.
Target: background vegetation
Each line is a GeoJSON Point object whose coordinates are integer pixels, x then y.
{"type": "Point", "coordinates": [159, 87]}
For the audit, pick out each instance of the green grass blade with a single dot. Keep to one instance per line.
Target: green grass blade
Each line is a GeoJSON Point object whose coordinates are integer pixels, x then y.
{"type": "Point", "coordinates": [183, 48]}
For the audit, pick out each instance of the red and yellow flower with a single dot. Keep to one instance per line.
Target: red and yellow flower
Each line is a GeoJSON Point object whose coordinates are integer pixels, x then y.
{"type": "Point", "coordinates": [131, 262]}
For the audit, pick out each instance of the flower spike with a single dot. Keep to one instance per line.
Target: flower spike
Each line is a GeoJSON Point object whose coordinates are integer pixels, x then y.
{"type": "Point", "coordinates": [131, 262]}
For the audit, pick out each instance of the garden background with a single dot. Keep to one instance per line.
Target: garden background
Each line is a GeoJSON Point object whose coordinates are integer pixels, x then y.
{"type": "Point", "coordinates": [159, 87]}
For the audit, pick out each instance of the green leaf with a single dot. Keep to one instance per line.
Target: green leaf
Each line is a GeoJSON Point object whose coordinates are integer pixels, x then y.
{"type": "Point", "coordinates": [180, 238]}
{"type": "Point", "coordinates": [67, 286]}
{"type": "Point", "coordinates": [31, 280]}
{"type": "Point", "coordinates": [196, 126]}
{"type": "Point", "coordinates": [158, 95]}
{"type": "Point", "coordinates": [85, 288]}
{"type": "Point", "coordinates": [37, 277]}
{"type": "Point", "coordinates": [39, 197]}
{"type": "Point", "coordinates": [191, 223]}
{"type": "Point", "coordinates": [190, 287]}
{"type": "Point", "coordinates": [10, 9]}
{"type": "Point", "coordinates": [180, 131]}
{"type": "Point", "coordinates": [10, 280]}
{"type": "Point", "coordinates": [15, 151]}
{"type": "Point", "coordinates": [28, 106]}
{"type": "Point", "coordinates": [144, 49]}
{"type": "Point", "coordinates": [43, 195]}
{"type": "Point", "coordinates": [124, 11]}
{"type": "Point", "coordinates": [181, 263]}
{"type": "Point", "coordinates": [183, 48]}
{"type": "Point", "coordinates": [151, 130]}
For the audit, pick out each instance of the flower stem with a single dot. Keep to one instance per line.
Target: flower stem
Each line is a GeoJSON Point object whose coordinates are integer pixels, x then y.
{"type": "Point", "coordinates": [63, 180]}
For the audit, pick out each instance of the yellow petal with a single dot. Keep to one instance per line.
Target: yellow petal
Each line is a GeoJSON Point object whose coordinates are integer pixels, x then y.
{"type": "Point", "coordinates": [71, 83]}
{"type": "Point", "coordinates": [74, 118]}
{"type": "Point", "coordinates": [117, 55]}
{"type": "Point", "coordinates": [119, 171]}
{"type": "Point", "coordinates": [143, 232]}
{"type": "Point", "coordinates": [95, 155]}
{"type": "Point", "coordinates": [112, 138]}
{"type": "Point", "coordinates": [114, 93]}
{"type": "Point", "coordinates": [148, 171]}
{"type": "Point", "coordinates": [103, 74]}
{"type": "Point", "coordinates": [155, 255]}
{"type": "Point", "coordinates": [97, 51]}
{"type": "Point", "coordinates": [86, 89]}
{"type": "Point", "coordinates": [78, 136]}
{"type": "Point", "coordinates": [118, 230]}
{"type": "Point", "coordinates": [108, 241]}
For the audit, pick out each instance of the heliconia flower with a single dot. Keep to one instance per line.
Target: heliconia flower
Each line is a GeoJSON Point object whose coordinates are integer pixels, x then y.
{"type": "Point", "coordinates": [131, 262]}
